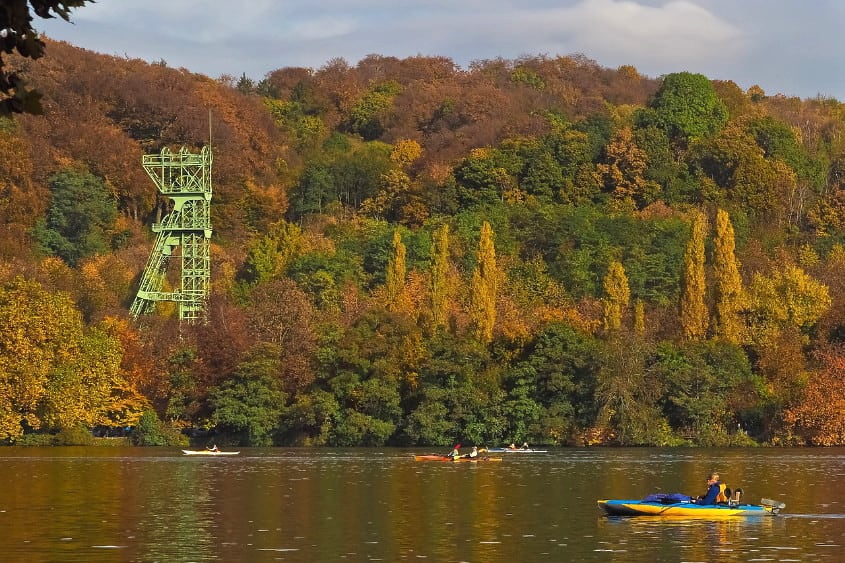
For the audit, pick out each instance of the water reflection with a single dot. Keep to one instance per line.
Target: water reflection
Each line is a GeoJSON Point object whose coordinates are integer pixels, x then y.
{"type": "Point", "coordinates": [82, 504]}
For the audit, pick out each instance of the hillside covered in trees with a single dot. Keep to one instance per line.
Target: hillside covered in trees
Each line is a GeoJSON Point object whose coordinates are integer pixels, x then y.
{"type": "Point", "coordinates": [410, 253]}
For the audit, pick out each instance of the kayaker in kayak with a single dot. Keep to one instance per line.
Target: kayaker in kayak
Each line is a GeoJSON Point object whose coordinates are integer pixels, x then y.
{"type": "Point", "coordinates": [714, 488]}
{"type": "Point", "coordinates": [455, 451]}
{"type": "Point", "coordinates": [472, 454]}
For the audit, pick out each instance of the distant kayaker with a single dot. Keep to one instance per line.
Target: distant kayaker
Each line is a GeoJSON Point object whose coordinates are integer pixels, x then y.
{"type": "Point", "coordinates": [456, 451]}
{"type": "Point", "coordinates": [512, 446]}
{"type": "Point", "coordinates": [474, 452]}
{"type": "Point", "coordinates": [213, 448]}
{"type": "Point", "coordinates": [713, 490]}
{"type": "Point", "coordinates": [525, 446]}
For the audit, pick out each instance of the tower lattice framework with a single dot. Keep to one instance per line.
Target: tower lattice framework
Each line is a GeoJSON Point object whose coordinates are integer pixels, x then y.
{"type": "Point", "coordinates": [184, 233]}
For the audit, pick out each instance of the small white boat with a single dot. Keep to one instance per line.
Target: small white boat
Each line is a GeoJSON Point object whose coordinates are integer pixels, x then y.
{"type": "Point", "coordinates": [208, 452]}
{"type": "Point", "coordinates": [516, 451]}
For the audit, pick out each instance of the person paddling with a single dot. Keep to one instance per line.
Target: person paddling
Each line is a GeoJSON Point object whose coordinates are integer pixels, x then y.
{"type": "Point", "coordinates": [455, 451]}
{"type": "Point", "coordinates": [713, 490]}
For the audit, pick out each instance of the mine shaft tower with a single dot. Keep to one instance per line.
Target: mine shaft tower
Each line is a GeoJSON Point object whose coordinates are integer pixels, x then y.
{"type": "Point", "coordinates": [185, 232]}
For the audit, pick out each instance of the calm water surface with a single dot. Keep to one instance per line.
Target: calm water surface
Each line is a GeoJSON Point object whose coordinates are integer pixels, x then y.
{"type": "Point", "coordinates": [149, 504]}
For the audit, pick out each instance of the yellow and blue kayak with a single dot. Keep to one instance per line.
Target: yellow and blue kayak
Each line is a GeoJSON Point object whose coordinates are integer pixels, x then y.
{"type": "Point", "coordinates": [688, 509]}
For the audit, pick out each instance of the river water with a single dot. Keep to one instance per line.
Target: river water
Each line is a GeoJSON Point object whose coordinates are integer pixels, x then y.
{"type": "Point", "coordinates": [314, 505]}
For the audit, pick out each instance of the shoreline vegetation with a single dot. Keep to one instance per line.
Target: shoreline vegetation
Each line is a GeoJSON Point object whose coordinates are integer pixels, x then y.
{"type": "Point", "coordinates": [409, 254]}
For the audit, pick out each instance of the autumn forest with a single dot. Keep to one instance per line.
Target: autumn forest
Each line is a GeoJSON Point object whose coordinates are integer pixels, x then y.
{"type": "Point", "coordinates": [410, 253]}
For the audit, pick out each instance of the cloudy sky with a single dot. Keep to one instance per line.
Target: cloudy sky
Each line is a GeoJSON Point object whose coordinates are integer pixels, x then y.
{"type": "Point", "coordinates": [791, 47]}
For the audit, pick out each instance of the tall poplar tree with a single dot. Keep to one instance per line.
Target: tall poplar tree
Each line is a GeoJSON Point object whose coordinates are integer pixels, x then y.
{"type": "Point", "coordinates": [485, 286]}
{"type": "Point", "coordinates": [693, 307]}
{"type": "Point", "coordinates": [395, 278]}
{"type": "Point", "coordinates": [439, 275]}
{"type": "Point", "coordinates": [727, 285]}
{"type": "Point", "coordinates": [617, 296]}
{"type": "Point", "coordinates": [639, 318]}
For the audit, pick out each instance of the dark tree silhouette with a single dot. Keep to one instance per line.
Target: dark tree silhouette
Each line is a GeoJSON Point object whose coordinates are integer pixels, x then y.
{"type": "Point", "coordinates": [17, 34]}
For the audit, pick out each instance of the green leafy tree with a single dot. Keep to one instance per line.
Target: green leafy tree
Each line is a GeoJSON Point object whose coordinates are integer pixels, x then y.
{"type": "Point", "coordinates": [80, 218]}
{"type": "Point", "coordinates": [708, 385]}
{"type": "Point", "coordinates": [271, 254]}
{"type": "Point", "coordinates": [248, 408]}
{"type": "Point", "coordinates": [736, 164]}
{"type": "Point", "coordinates": [429, 423]}
{"type": "Point", "coordinates": [573, 152]}
{"type": "Point", "coordinates": [358, 172]}
{"type": "Point", "coordinates": [628, 396]}
{"type": "Point", "coordinates": [310, 420]}
{"type": "Point", "coordinates": [564, 363]}
{"type": "Point", "coordinates": [486, 175]}
{"type": "Point", "coordinates": [315, 189]}
{"type": "Point", "coordinates": [355, 428]}
{"type": "Point", "coordinates": [520, 407]}
{"type": "Point", "coordinates": [371, 365]}
{"type": "Point", "coordinates": [151, 431]}
{"type": "Point", "coordinates": [453, 393]}
{"type": "Point", "coordinates": [686, 107]}
{"type": "Point", "coordinates": [780, 141]}
{"type": "Point", "coordinates": [667, 172]}
{"type": "Point", "coordinates": [367, 114]}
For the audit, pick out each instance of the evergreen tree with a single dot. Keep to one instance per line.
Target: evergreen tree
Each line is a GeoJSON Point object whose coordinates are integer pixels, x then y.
{"type": "Point", "coordinates": [80, 219]}
{"type": "Point", "coordinates": [693, 307]}
{"type": "Point", "coordinates": [617, 296]}
{"type": "Point", "coordinates": [485, 285]}
{"type": "Point", "coordinates": [727, 282]}
{"type": "Point", "coordinates": [395, 279]}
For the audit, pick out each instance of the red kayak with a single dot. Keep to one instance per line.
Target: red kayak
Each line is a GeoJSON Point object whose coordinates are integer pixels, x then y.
{"type": "Point", "coordinates": [435, 457]}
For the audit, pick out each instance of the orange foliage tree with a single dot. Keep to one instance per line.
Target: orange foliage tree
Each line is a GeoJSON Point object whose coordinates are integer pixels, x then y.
{"type": "Point", "coordinates": [819, 417]}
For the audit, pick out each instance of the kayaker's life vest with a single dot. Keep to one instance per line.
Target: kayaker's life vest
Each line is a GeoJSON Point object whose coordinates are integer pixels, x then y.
{"type": "Point", "coordinates": [721, 497]}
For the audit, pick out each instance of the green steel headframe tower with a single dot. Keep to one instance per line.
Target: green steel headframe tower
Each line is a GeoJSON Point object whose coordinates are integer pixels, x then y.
{"type": "Point", "coordinates": [185, 232]}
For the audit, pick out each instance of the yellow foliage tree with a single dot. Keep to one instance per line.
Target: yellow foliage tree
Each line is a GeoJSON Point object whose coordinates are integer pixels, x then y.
{"type": "Point", "coordinates": [623, 169]}
{"type": "Point", "coordinates": [439, 275]}
{"type": "Point", "coordinates": [639, 318]}
{"type": "Point", "coordinates": [693, 306]}
{"type": "Point", "coordinates": [395, 276]}
{"type": "Point", "coordinates": [727, 286]}
{"type": "Point", "coordinates": [405, 152]}
{"type": "Point", "coordinates": [617, 296]}
{"type": "Point", "coordinates": [485, 280]}
{"type": "Point", "coordinates": [53, 372]}
{"type": "Point", "coordinates": [393, 187]}
{"type": "Point", "coordinates": [272, 253]}
{"type": "Point", "coordinates": [788, 298]}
